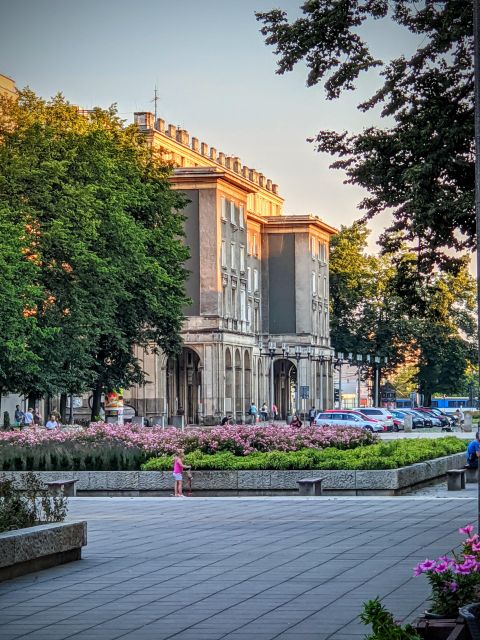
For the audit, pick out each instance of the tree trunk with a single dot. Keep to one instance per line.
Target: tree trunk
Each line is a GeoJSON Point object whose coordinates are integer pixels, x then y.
{"type": "Point", "coordinates": [96, 402]}
{"type": "Point", "coordinates": [427, 399]}
{"type": "Point", "coordinates": [70, 415]}
{"type": "Point", "coordinates": [63, 408]}
{"type": "Point", "coordinates": [48, 407]}
{"type": "Point", "coordinates": [32, 401]}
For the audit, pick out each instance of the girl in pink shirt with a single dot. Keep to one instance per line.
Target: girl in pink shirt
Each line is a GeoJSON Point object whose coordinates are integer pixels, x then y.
{"type": "Point", "coordinates": [178, 468]}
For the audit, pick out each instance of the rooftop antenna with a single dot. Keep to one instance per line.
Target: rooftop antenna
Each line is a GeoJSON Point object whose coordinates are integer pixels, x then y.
{"type": "Point", "coordinates": [155, 101]}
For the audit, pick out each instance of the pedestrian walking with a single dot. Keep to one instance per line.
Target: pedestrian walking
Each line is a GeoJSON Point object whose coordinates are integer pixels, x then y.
{"type": "Point", "coordinates": [264, 412]}
{"type": "Point", "coordinates": [473, 452]}
{"type": "Point", "coordinates": [28, 417]}
{"type": "Point", "coordinates": [18, 417]}
{"type": "Point", "coordinates": [37, 418]}
{"type": "Point", "coordinates": [252, 412]}
{"type": "Point", "coordinates": [274, 411]}
{"type": "Point", "coordinates": [311, 415]}
{"type": "Point", "coordinates": [178, 467]}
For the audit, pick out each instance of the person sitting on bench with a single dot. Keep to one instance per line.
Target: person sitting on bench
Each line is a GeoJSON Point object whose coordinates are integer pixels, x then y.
{"type": "Point", "coordinates": [473, 452]}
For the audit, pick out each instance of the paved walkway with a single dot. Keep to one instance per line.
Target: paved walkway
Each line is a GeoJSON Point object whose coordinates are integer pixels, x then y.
{"type": "Point", "coordinates": [234, 569]}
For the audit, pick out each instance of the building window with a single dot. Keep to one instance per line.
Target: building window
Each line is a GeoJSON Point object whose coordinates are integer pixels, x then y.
{"type": "Point", "coordinates": [243, 305]}
{"type": "Point", "coordinates": [224, 255]}
{"type": "Point", "coordinates": [325, 293]}
{"type": "Point", "coordinates": [233, 263]}
{"type": "Point", "coordinates": [225, 301]}
{"type": "Point", "coordinates": [232, 212]}
{"type": "Point", "coordinates": [242, 259]}
{"type": "Point", "coordinates": [224, 209]}
{"type": "Point", "coordinates": [234, 303]}
{"type": "Point", "coordinates": [255, 279]}
{"type": "Point", "coordinates": [241, 217]}
{"type": "Point", "coordinates": [254, 244]}
{"type": "Point", "coordinates": [256, 325]}
{"type": "Point", "coordinates": [313, 248]}
{"type": "Point", "coordinates": [249, 243]}
{"type": "Point", "coordinates": [249, 279]}
{"type": "Point", "coordinates": [249, 315]}
{"type": "Point", "coordinates": [314, 283]}
{"type": "Point", "coordinates": [327, 326]}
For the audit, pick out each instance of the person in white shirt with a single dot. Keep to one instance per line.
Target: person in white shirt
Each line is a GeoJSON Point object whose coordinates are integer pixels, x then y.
{"type": "Point", "coordinates": [28, 417]}
{"type": "Point", "coordinates": [51, 423]}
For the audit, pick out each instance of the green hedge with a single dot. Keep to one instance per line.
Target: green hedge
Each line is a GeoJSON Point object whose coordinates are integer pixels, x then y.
{"type": "Point", "coordinates": [385, 455]}
{"type": "Point", "coordinates": [71, 456]}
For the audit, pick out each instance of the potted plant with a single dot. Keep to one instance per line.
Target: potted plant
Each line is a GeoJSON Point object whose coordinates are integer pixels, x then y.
{"type": "Point", "coordinates": [455, 580]}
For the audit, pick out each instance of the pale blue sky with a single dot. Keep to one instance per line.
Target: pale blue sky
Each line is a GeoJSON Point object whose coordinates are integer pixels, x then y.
{"type": "Point", "coordinates": [214, 74]}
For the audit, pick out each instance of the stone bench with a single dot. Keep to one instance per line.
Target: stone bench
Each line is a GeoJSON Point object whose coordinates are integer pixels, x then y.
{"type": "Point", "coordinates": [310, 486]}
{"type": "Point", "coordinates": [471, 474]}
{"type": "Point", "coordinates": [65, 487]}
{"type": "Point", "coordinates": [456, 479]}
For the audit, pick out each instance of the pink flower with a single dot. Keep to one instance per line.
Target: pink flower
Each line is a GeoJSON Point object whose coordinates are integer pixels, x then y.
{"type": "Point", "coordinates": [441, 567]}
{"type": "Point", "coordinates": [453, 586]}
{"type": "Point", "coordinates": [427, 565]}
{"type": "Point", "coordinates": [462, 569]}
{"type": "Point", "coordinates": [466, 530]}
{"type": "Point", "coordinates": [417, 571]}
{"type": "Point", "coordinates": [476, 547]}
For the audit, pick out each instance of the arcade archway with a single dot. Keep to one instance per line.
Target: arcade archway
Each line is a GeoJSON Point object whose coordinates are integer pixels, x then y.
{"type": "Point", "coordinates": [184, 385]}
{"type": "Point", "coordinates": [285, 386]}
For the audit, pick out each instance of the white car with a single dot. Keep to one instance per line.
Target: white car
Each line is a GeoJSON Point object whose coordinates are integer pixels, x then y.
{"type": "Point", "coordinates": [347, 419]}
{"type": "Point", "coordinates": [384, 415]}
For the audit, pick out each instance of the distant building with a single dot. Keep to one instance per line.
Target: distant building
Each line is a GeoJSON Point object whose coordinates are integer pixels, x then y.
{"type": "Point", "coordinates": [258, 278]}
{"type": "Point", "coordinates": [7, 87]}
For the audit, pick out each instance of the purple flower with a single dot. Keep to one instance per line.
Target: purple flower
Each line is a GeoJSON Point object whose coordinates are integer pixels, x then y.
{"type": "Point", "coordinates": [417, 571]}
{"type": "Point", "coordinates": [426, 565]}
{"type": "Point", "coordinates": [466, 530]}
{"type": "Point", "coordinates": [441, 567]}
{"type": "Point", "coordinates": [453, 586]}
{"type": "Point", "coordinates": [462, 569]}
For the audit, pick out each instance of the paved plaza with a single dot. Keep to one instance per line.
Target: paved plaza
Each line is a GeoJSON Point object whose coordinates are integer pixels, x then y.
{"type": "Point", "coordinates": [234, 569]}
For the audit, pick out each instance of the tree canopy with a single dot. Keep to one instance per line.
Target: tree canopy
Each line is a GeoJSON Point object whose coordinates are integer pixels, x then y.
{"type": "Point", "coordinates": [382, 306]}
{"type": "Point", "coordinates": [97, 228]}
{"type": "Point", "coordinates": [420, 165]}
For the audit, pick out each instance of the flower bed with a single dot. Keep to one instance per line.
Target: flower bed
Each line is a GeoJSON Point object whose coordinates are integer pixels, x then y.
{"type": "Point", "coordinates": [391, 455]}
{"type": "Point", "coordinates": [105, 447]}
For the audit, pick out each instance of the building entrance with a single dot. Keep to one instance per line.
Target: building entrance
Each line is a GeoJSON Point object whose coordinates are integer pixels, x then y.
{"type": "Point", "coordinates": [184, 386]}
{"type": "Point", "coordinates": [285, 387]}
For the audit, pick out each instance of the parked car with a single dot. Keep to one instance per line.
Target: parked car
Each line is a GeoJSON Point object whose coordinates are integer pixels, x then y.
{"type": "Point", "coordinates": [378, 413]}
{"type": "Point", "coordinates": [430, 415]}
{"type": "Point", "coordinates": [444, 418]}
{"type": "Point", "coordinates": [427, 422]}
{"type": "Point", "coordinates": [400, 414]}
{"type": "Point", "coordinates": [345, 418]}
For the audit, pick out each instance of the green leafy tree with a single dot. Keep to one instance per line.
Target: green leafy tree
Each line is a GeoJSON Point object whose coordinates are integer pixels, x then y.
{"type": "Point", "coordinates": [420, 166]}
{"type": "Point", "coordinates": [103, 231]}
{"type": "Point", "coordinates": [385, 305]}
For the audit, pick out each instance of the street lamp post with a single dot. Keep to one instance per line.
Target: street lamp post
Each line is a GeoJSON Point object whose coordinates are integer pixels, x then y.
{"type": "Point", "coordinates": [271, 349]}
{"type": "Point", "coordinates": [298, 355]}
{"type": "Point", "coordinates": [476, 68]}
{"type": "Point", "coordinates": [377, 381]}
{"type": "Point", "coordinates": [339, 363]}
{"type": "Point", "coordinates": [359, 380]}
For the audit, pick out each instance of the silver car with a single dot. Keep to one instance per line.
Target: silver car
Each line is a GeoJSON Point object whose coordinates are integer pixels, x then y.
{"type": "Point", "coordinates": [379, 413]}
{"type": "Point", "coordinates": [346, 419]}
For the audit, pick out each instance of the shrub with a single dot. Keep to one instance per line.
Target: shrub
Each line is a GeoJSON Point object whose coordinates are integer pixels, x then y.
{"type": "Point", "coordinates": [117, 447]}
{"type": "Point", "coordinates": [384, 626]}
{"type": "Point", "coordinates": [385, 455]}
{"type": "Point", "coordinates": [29, 505]}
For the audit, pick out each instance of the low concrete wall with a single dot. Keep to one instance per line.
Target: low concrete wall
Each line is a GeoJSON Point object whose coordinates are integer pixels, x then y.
{"type": "Point", "coordinates": [35, 548]}
{"type": "Point", "coordinates": [388, 482]}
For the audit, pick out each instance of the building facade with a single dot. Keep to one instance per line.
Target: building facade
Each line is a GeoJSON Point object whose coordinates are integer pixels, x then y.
{"type": "Point", "coordinates": [257, 328]}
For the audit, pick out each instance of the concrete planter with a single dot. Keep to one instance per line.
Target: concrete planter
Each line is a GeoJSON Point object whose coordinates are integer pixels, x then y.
{"type": "Point", "coordinates": [35, 548]}
{"type": "Point", "coordinates": [381, 482]}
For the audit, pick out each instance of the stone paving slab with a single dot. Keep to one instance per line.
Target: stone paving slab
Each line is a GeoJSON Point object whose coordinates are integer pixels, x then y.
{"type": "Point", "coordinates": [235, 568]}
